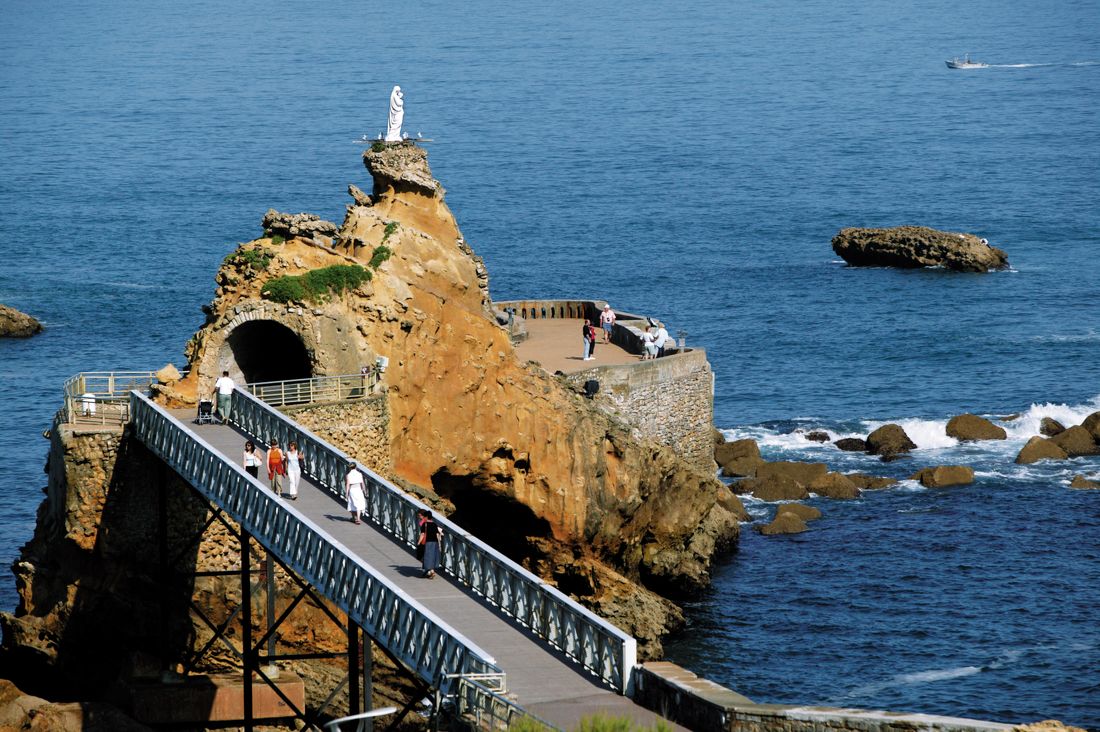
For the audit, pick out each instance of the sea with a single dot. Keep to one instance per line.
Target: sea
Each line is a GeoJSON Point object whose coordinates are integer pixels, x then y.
{"type": "Point", "coordinates": [690, 161]}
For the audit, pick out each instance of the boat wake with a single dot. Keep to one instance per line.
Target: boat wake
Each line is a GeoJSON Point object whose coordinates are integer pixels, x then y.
{"type": "Point", "coordinates": [1042, 66]}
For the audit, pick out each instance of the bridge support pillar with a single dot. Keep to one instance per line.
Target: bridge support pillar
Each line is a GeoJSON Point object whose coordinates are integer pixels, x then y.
{"type": "Point", "coordinates": [249, 658]}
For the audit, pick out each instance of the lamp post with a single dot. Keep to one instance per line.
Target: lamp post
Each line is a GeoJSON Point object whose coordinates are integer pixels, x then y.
{"type": "Point", "coordinates": [681, 338]}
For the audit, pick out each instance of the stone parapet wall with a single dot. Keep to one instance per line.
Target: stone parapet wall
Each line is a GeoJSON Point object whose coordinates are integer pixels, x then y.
{"type": "Point", "coordinates": [682, 697]}
{"type": "Point", "coordinates": [670, 399]}
{"type": "Point", "coordinates": [360, 428]}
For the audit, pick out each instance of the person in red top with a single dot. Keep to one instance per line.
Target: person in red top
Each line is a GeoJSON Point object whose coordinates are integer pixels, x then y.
{"type": "Point", "coordinates": [276, 467]}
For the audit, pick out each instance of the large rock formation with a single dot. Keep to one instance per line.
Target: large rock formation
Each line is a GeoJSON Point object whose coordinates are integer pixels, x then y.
{"type": "Point", "coordinates": [971, 427]}
{"type": "Point", "coordinates": [889, 441]}
{"type": "Point", "coordinates": [1038, 448]}
{"type": "Point", "coordinates": [14, 324]}
{"type": "Point", "coordinates": [917, 246]}
{"type": "Point", "coordinates": [467, 419]}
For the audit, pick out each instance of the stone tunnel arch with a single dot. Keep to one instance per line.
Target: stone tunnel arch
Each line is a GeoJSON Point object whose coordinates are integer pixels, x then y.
{"type": "Point", "coordinates": [265, 350]}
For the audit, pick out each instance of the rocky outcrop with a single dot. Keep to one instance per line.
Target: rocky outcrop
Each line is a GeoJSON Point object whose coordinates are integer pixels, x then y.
{"type": "Point", "coordinates": [739, 458]}
{"type": "Point", "coordinates": [785, 522]}
{"type": "Point", "coordinates": [1080, 482]}
{"type": "Point", "coordinates": [1047, 725]}
{"type": "Point", "coordinates": [1049, 427]}
{"type": "Point", "coordinates": [1092, 424]}
{"type": "Point", "coordinates": [774, 488]}
{"type": "Point", "coordinates": [1039, 448]}
{"type": "Point", "coordinates": [14, 324]}
{"type": "Point", "coordinates": [971, 427]}
{"type": "Point", "coordinates": [817, 436]}
{"type": "Point", "coordinates": [804, 473]}
{"type": "Point", "coordinates": [305, 225]}
{"type": "Point", "coordinates": [851, 444]}
{"type": "Point", "coordinates": [943, 476]}
{"type": "Point", "coordinates": [801, 510]}
{"type": "Point", "coordinates": [870, 482]}
{"type": "Point", "coordinates": [889, 441]}
{"type": "Point", "coordinates": [467, 420]}
{"type": "Point", "coordinates": [1076, 441]}
{"type": "Point", "coordinates": [834, 485]}
{"type": "Point", "coordinates": [917, 246]}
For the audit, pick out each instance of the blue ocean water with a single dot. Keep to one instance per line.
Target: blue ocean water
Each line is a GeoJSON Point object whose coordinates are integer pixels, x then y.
{"type": "Point", "coordinates": [691, 162]}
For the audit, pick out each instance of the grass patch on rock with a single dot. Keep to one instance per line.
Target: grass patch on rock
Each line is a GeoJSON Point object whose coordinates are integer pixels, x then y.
{"type": "Point", "coordinates": [317, 285]}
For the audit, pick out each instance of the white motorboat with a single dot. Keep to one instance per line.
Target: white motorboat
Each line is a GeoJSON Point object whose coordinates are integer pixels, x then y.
{"type": "Point", "coordinates": [965, 63]}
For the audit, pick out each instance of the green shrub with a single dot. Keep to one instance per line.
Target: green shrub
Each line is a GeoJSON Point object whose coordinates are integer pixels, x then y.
{"type": "Point", "coordinates": [380, 254]}
{"type": "Point", "coordinates": [255, 258]}
{"type": "Point", "coordinates": [317, 285]}
{"type": "Point", "coordinates": [276, 239]}
{"type": "Point", "coordinates": [378, 146]}
{"type": "Point", "coordinates": [391, 227]}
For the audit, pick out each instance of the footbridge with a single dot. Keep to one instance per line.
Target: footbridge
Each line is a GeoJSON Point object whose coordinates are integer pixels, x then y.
{"type": "Point", "coordinates": [491, 639]}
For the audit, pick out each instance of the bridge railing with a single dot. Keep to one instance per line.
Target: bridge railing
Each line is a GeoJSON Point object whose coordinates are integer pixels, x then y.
{"type": "Point", "coordinates": [412, 633]}
{"type": "Point", "coordinates": [343, 388]}
{"type": "Point", "coordinates": [102, 397]}
{"type": "Point", "coordinates": [490, 710]}
{"type": "Point", "coordinates": [587, 639]}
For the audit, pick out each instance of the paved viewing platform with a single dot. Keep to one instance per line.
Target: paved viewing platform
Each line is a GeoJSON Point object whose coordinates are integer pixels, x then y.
{"type": "Point", "coordinates": [557, 346]}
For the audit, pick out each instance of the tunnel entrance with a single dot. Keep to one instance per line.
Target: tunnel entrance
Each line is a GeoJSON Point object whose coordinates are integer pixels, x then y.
{"type": "Point", "coordinates": [268, 351]}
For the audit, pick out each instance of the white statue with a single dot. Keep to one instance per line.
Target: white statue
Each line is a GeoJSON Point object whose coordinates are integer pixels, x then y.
{"type": "Point", "coordinates": [397, 115]}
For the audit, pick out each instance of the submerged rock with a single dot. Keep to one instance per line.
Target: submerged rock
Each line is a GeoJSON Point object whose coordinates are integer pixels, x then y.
{"type": "Point", "coordinates": [817, 436]}
{"type": "Point", "coordinates": [917, 246]}
{"type": "Point", "coordinates": [943, 476]}
{"type": "Point", "coordinates": [870, 482]}
{"type": "Point", "coordinates": [851, 444]}
{"type": "Point", "coordinates": [804, 512]}
{"type": "Point", "coordinates": [784, 522]}
{"type": "Point", "coordinates": [16, 324]}
{"type": "Point", "coordinates": [1083, 483]}
{"type": "Point", "coordinates": [1039, 448]}
{"type": "Point", "coordinates": [967, 427]}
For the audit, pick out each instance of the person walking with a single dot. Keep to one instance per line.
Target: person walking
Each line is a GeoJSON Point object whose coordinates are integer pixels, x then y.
{"type": "Point", "coordinates": [661, 338]}
{"type": "Point", "coordinates": [276, 467]}
{"type": "Point", "coordinates": [607, 321]}
{"type": "Point", "coordinates": [293, 470]}
{"type": "Point", "coordinates": [223, 394]}
{"type": "Point", "coordinates": [355, 490]}
{"type": "Point", "coordinates": [429, 540]}
{"type": "Point", "coordinates": [251, 459]}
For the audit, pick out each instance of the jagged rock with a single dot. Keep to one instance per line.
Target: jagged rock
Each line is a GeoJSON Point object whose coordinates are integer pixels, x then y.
{"type": "Point", "coordinates": [1092, 424]}
{"type": "Point", "coordinates": [727, 500]}
{"type": "Point", "coordinates": [1039, 448]}
{"type": "Point", "coordinates": [834, 485]}
{"type": "Point", "coordinates": [804, 473]}
{"type": "Point", "coordinates": [168, 375]}
{"type": "Point", "coordinates": [1051, 427]}
{"type": "Point", "coordinates": [774, 488]}
{"type": "Point", "coordinates": [305, 225]}
{"type": "Point", "coordinates": [785, 522]}
{"type": "Point", "coordinates": [967, 427]}
{"type": "Point", "coordinates": [1083, 483]}
{"type": "Point", "coordinates": [870, 482]}
{"type": "Point", "coordinates": [943, 476]}
{"type": "Point", "coordinates": [738, 458]}
{"type": "Point", "coordinates": [400, 168]}
{"type": "Point", "coordinates": [851, 444]}
{"type": "Point", "coordinates": [1076, 441]}
{"type": "Point", "coordinates": [917, 246]}
{"type": "Point", "coordinates": [1047, 725]}
{"type": "Point", "coordinates": [804, 512]}
{"type": "Point", "coordinates": [817, 436]}
{"type": "Point", "coordinates": [889, 440]}
{"type": "Point", "coordinates": [15, 324]}
{"type": "Point", "coordinates": [361, 198]}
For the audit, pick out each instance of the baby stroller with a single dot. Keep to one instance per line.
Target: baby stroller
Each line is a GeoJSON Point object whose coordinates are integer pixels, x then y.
{"type": "Point", "coordinates": [206, 412]}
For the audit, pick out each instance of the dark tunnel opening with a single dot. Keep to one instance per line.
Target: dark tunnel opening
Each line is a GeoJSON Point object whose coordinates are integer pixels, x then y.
{"type": "Point", "coordinates": [268, 351]}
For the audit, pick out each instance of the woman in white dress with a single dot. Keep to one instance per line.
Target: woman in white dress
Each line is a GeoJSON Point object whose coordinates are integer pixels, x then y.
{"type": "Point", "coordinates": [355, 488]}
{"type": "Point", "coordinates": [293, 470]}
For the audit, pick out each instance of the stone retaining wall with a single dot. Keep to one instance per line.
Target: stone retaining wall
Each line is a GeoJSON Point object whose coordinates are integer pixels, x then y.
{"type": "Point", "coordinates": [682, 697]}
{"type": "Point", "coordinates": [360, 428]}
{"type": "Point", "coordinates": [670, 399]}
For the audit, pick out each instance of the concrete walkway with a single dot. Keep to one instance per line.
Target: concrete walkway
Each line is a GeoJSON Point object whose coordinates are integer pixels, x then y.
{"type": "Point", "coordinates": [539, 678]}
{"type": "Point", "coordinates": [557, 346]}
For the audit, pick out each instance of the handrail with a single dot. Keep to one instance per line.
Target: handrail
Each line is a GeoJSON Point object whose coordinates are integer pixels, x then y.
{"type": "Point", "coordinates": [412, 633]}
{"type": "Point", "coordinates": [102, 397]}
{"type": "Point", "coordinates": [585, 638]}
{"type": "Point", "coordinates": [491, 710]}
{"type": "Point", "coordinates": [342, 388]}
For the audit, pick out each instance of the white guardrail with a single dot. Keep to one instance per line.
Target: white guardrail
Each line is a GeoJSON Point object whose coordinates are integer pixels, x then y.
{"type": "Point", "coordinates": [588, 640]}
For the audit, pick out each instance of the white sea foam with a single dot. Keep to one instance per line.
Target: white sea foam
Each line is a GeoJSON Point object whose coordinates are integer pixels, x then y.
{"type": "Point", "coordinates": [928, 434]}
{"type": "Point", "coordinates": [924, 677]}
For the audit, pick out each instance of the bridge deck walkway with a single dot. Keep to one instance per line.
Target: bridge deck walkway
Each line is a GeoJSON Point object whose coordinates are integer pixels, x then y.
{"type": "Point", "coordinates": [539, 678]}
